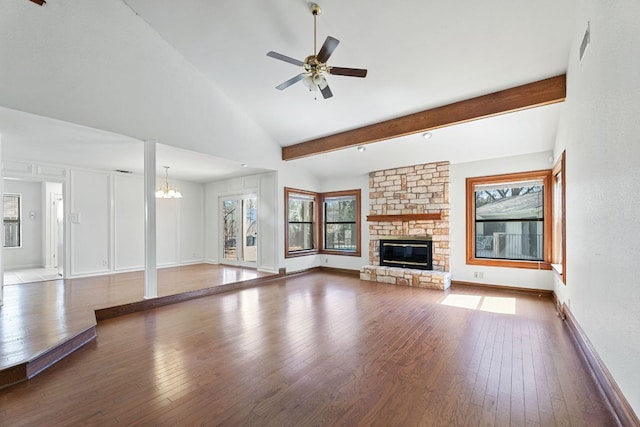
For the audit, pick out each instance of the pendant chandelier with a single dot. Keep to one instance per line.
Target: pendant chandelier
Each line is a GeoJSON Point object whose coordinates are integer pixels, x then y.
{"type": "Point", "coordinates": [166, 191]}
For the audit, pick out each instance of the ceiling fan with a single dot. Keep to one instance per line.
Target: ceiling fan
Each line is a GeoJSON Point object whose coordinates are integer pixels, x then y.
{"type": "Point", "coordinates": [315, 66]}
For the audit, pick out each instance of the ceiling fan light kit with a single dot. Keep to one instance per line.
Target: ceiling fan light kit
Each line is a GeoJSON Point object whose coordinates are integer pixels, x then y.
{"type": "Point", "coordinates": [315, 66]}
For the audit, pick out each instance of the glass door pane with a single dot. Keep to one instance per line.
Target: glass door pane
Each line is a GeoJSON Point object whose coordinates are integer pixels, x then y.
{"type": "Point", "coordinates": [230, 229]}
{"type": "Point", "coordinates": [249, 251]}
{"type": "Point", "coordinates": [240, 230]}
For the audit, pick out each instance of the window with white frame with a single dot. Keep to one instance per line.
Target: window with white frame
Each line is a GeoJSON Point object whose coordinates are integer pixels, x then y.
{"type": "Point", "coordinates": [12, 220]}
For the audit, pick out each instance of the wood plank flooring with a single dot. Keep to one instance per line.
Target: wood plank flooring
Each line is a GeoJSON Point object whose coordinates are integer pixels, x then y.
{"type": "Point", "coordinates": [322, 349]}
{"type": "Point", "coordinates": [37, 316]}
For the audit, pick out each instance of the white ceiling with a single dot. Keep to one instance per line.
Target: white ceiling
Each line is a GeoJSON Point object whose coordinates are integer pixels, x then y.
{"type": "Point", "coordinates": [30, 137]}
{"type": "Point", "coordinates": [419, 55]}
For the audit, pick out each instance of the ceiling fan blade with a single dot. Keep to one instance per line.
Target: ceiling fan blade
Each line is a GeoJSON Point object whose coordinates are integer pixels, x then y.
{"type": "Point", "coordinates": [291, 81]}
{"type": "Point", "coordinates": [326, 92]}
{"type": "Point", "coordinates": [351, 72]}
{"type": "Point", "coordinates": [327, 49]}
{"type": "Point", "coordinates": [285, 58]}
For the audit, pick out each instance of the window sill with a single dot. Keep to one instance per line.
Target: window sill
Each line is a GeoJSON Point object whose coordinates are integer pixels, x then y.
{"type": "Point", "coordinates": [300, 253]}
{"type": "Point", "coordinates": [559, 270]}
{"type": "Point", "coordinates": [532, 265]}
{"type": "Point", "coordinates": [340, 253]}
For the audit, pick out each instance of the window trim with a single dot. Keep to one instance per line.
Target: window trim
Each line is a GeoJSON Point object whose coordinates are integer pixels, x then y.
{"type": "Point", "coordinates": [561, 267]}
{"type": "Point", "coordinates": [471, 183]}
{"type": "Point", "coordinates": [323, 196]}
{"type": "Point", "coordinates": [315, 228]}
{"type": "Point", "coordinates": [18, 221]}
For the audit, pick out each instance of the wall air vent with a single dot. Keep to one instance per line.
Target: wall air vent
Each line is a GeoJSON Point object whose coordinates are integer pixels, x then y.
{"type": "Point", "coordinates": [586, 41]}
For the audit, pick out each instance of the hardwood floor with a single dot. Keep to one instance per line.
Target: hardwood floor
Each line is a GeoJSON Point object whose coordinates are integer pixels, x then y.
{"type": "Point", "coordinates": [37, 316]}
{"type": "Point", "coordinates": [322, 349]}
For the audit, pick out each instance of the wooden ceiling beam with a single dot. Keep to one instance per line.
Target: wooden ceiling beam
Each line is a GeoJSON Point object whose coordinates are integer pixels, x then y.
{"type": "Point", "coordinates": [536, 94]}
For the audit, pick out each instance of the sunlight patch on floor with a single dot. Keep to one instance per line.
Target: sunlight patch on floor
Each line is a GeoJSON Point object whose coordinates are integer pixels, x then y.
{"type": "Point", "coordinates": [501, 305]}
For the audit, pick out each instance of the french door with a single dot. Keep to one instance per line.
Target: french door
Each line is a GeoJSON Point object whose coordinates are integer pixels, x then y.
{"type": "Point", "coordinates": [239, 230]}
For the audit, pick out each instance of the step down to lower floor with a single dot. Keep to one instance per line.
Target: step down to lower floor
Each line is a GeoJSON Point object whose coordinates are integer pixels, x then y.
{"type": "Point", "coordinates": [29, 369]}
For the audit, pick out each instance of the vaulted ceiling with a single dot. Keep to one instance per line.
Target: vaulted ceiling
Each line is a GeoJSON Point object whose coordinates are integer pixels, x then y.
{"type": "Point", "coordinates": [419, 55]}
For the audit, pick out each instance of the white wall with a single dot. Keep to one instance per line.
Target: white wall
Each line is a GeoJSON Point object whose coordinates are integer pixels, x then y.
{"type": "Point", "coordinates": [128, 222]}
{"type": "Point", "coordinates": [104, 219]}
{"type": "Point", "coordinates": [190, 220]}
{"type": "Point", "coordinates": [264, 187]}
{"type": "Point", "coordinates": [600, 129]}
{"type": "Point", "coordinates": [30, 254]}
{"type": "Point", "coordinates": [514, 277]}
{"type": "Point", "coordinates": [104, 66]}
{"type": "Point", "coordinates": [89, 222]}
{"type": "Point", "coordinates": [179, 224]}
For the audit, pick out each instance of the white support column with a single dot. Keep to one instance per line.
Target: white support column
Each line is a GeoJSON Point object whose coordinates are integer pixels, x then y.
{"type": "Point", "coordinates": [150, 268]}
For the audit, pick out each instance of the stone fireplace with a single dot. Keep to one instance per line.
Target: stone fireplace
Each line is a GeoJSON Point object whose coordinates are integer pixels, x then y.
{"type": "Point", "coordinates": [410, 203]}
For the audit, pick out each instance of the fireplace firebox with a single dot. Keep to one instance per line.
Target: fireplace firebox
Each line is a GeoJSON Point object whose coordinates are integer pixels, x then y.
{"type": "Point", "coordinates": [406, 252]}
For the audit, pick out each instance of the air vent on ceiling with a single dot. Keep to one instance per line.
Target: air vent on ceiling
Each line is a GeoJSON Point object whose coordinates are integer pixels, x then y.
{"type": "Point", "coordinates": [586, 41]}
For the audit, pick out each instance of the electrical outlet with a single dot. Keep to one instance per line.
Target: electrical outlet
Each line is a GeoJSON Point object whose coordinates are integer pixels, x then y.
{"type": "Point", "coordinates": [105, 263]}
{"type": "Point", "coordinates": [326, 261]}
{"type": "Point", "coordinates": [478, 274]}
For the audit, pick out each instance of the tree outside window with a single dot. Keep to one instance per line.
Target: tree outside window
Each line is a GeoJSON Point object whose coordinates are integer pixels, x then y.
{"type": "Point", "coordinates": [341, 222]}
{"type": "Point", "coordinates": [335, 216]}
{"type": "Point", "coordinates": [301, 222]}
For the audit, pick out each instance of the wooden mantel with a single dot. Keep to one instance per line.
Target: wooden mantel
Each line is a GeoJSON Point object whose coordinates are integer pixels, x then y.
{"type": "Point", "coordinates": [405, 217]}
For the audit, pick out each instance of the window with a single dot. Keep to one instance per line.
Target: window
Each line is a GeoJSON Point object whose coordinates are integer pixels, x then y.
{"type": "Point", "coordinates": [509, 220]}
{"type": "Point", "coordinates": [341, 223]}
{"type": "Point", "coordinates": [558, 257]}
{"type": "Point", "coordinates": [301, 216]}
{"type": "Point", "coordinates": [12, 217]}
{"type": "Point", "coordinates": [334, 217]}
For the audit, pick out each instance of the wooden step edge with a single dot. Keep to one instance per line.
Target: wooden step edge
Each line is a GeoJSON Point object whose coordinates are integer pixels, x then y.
{"type": "Point", "coordinates": [59, 352]}
{"type": "Point", "coordinates": [133, 307]}
{"type": "Point", "coordinates": [13, 375]}
{"type": "Point", "coordinates": [26, 370]}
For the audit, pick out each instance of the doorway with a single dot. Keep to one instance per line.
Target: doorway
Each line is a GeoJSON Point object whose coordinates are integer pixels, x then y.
{"type": "Point", "coordinates": [38, 253]}
{"type": "Point", "coordinates": [56, 231]}
{"type": "Point", "coordinates": [239, 230]}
